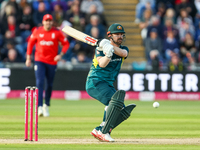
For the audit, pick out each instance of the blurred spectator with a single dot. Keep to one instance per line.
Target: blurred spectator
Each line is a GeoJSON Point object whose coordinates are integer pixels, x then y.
{"type": "Point", "coordinates": [171, 46]}
{"type": "Point", "coordinates": [22, 4]}
{"type": "Point", "coordinates": [13, 42]}
{"type": "Point", "coordinates": [9, 10]}
{"type": "Point", "coordinates": [58, 15]}
{"type": "Point", "coordinates": [38, 14]}
{"type": "Point", "coordinates": [161, 12]}
{"type": "Point", "coordinates": [153, 43]}
{"type": "Point", "coordinates": [188, 6]}
{"type": "Point", "coordinates": [73, 2]}
{"type": "Point", "coordinates": [2, 9]}
{"type": "Point", "coordinates": [197, 20]}
{"type": "Point", "coordinates": [61, 3]}
{"type": "Point", "coordinates": [93, 11]}
{"type": "Point", "coordinates": [90, 50]}
{"type": "Point", "coordinates": [185, 24]}
{"type": "Point", "coordinates": [155, 62]}
{"type": "Point", "coordinates": [155, 24]}
{"type": "Point", "coordinates": [170, 15]}
{"type": "Point", "coordinates": [177, 2]}
{"type": "Point", "coordinates": [169, 26]}
{"type": "Point", "coordinates": [188, 49]}
{"type": "Point", "coordinates": [81, 58]}
{"type": "Point", "coordinates": [85, 6]}
{"type": "Point", "coordinates": [95, 32]}
{"type": "Point", "coordinates": [12, 56]}
{"type": "Point", "coordinates": [76, 18]}
{"type": "Point", "coordinates": [8, 43]}
{"type": "Point", "coordinates": [197, 17]}
{"type": "Point", "coordinates": [197, 55]}
{"type": "Point", "coordinates": [95, 22]}
{"type": "Point", "coordinates": [141, 7]}
{"type": "Point", "coordinates": [168, 3]}
{"type": "Point", "coordinates": [197, 33]}
{"type": "Point", "coordinates": [80, 47]}
{"type": "Point", "coordinates": [145, 22]}
{"type": "Point", "coordinates": [197, 5]}
{"type": "Point", "coordinates": [175, 64]}
{"type": "Point", "coordinates": [77, 47]}
{"type": "Point", "coordinates": [11, 25]}
{"type": "Point", "coordinates": [69, 54]}
{"type": "Point", "coordinates": [9, 7]}
{"type": "Point", "coordinates": [25, 25]}
{"type": "Point", "coordinates": [26, 22]}
{"type": "Point", "coordinates": [185, 28]}
{"type": "Point", "coordinates": [36, 3]}
{"type": "Point", "coordinates": [15, 5]}
{"type": "Point", "coordinates": [181, 18]}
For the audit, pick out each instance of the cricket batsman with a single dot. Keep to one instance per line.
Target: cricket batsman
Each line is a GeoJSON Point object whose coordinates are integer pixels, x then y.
{"type": "Point", "coordinates": [107, 62]}
{"type": "Point", "coordinates": [46, 39]}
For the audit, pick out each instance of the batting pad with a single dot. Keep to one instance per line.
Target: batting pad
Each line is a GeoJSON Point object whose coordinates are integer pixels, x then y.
{"type": "Point", "coordinates": [124, 114]}
{"type": "Point", "coordinates": [113, 111]}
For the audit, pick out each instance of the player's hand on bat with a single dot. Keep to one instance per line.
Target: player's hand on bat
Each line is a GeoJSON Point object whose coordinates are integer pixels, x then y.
{"type": "Point", "coordinates": [102, 42]}
{"type": "Point", "coordinates": [108, 50]}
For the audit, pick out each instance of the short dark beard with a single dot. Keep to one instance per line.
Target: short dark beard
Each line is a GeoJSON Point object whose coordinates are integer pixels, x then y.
{"type": "Point", "coordinates": [115, 42]}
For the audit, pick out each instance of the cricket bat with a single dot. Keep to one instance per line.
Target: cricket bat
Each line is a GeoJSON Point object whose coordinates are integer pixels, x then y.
{"type": "Point", "coordinates": [80, 35]}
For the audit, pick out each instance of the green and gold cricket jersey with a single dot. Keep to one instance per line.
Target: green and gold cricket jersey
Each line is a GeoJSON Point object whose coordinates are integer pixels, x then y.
{"type": "Point", "coordinates": [110, 72]}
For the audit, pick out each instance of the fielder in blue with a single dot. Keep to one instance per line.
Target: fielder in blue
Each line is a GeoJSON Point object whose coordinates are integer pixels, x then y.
{"type": "Point", "coordinates": [107, 62]}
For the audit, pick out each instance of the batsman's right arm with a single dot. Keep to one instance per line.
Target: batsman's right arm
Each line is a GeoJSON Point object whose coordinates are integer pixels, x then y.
{"type": "Point", "coordinates": [120, 52]}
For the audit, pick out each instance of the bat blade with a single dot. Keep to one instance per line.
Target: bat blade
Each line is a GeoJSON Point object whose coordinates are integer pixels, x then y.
{"type": "Point", "coordinates": [80, 35]}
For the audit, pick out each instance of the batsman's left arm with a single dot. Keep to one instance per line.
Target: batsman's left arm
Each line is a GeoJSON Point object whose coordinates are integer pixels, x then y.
{"type": "Point", "coordinates": [103, 61]}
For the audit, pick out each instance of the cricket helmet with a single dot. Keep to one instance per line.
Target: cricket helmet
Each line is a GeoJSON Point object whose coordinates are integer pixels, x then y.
{"type": "Point", "coordinates": [115, 28]}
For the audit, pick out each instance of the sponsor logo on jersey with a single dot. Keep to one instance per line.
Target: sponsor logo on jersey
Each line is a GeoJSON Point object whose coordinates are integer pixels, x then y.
{"type": "Point", "coordinates": [41, 35]}
{"type": "Point", "coordinates": [116, 59]}
{"type": "Point", "coordinates": [53, 35]}
{"type": "Point", "coordinates": [47, 43]}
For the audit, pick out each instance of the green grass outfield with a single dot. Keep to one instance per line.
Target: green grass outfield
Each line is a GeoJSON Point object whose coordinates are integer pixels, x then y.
{"type": "Point", "coordinates": [174, 125]}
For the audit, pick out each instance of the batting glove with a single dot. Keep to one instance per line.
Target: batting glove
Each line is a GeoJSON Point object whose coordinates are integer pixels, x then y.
{"type": "Point", "coordinates": [102, 42]}
{"type": "Point", "coordinates": [108, 50]}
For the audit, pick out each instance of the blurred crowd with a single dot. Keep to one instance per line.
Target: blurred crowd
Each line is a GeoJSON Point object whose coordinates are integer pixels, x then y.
{"type": "Point", "coordinates": [18, 19]}
{"type": "Point", "coordinates": [170, 29]}
{"type": "Point", "coordinates": [171, 32]}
